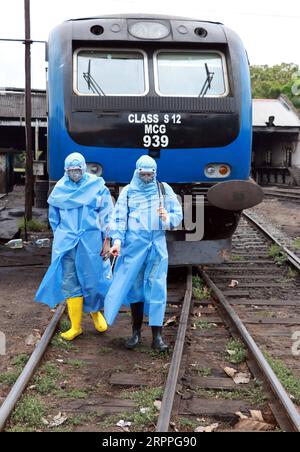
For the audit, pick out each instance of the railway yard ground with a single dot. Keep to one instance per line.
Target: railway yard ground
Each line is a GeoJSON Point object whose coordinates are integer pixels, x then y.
{"type": "Point", "coordinates": [95, 384]}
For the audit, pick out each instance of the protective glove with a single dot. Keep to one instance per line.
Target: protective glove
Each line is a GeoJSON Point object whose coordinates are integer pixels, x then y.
{"type": "Point", "coordinates": [163, 214]}
{"type": "Point", "coordinates": [116, 249]}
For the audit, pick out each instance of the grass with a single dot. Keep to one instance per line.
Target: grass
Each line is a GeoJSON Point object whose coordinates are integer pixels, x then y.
{"type": "Point", "coordinates": [44, 384]}
{"type": "Point", "coordinates": [185, 422]}
{"type": "Point", "coordinates": [276, 253]}
{"type": "Point", "coordinates": [152, 353]}
{"type": "Point", "coordinates": [33, 226]}
{"type": "Point", "coordinates": [200, 291]}
{"type": "Point", "coordinates": [72, 394]}
{"type": "Point", "coordinates": [290, 382]}
{"type": "Point", "coordinates": [60, 343]}
{"type": "Point", "coordinates": [64, 325]}
{"type": "Point", "coordinates": [77, 363]}
{"type": "Point", "coordinates": [29, 412]}
{"type": "Point", "coordinates": [297, 243]}
{"type": "Point", "coordinates": [105, 350]}
{"type": "Point", "coordinates": [144, 398]}
{"type": "Point", "coordinates": [9, 378]}
{"type": "Point", "coordinates": [292, 274]}
{"type": "Point", "coordinates": [205, 372]}
{"type": "Point", "coordinates": [235, 258]}
{"type": "Point", "coordinates": [239, 352]}
{"type": "Point", "coordinates": [46, 380]}
{"type": "Point", "coordinates": [203, 325]}
{"type": "Point", "coordinates": [19, 362]}
{"type": "Point", "coordinates": [254, 395]}
{"type": "Point", "coordinates": [81, 419]}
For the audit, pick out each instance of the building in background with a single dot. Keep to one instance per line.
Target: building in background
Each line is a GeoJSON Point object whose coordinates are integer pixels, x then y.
{"type": "Point", "coordinates": [12, 134]}
{"type": "Point", "coordinates": [276, 142]}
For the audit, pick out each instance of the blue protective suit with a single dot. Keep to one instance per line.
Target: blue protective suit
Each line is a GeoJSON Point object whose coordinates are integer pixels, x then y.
{"type": "Point", "coordinates": [141, 270]}
{"type": "Point", "coordinates": [79, 215]}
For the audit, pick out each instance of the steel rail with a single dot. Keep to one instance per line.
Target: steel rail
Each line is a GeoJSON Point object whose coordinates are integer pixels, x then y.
{"type": "Point", "coordinates": [292, 415]}
{"type": "Point", "coordinates": [171, 384]}
{"type": "Point", "coordinates": [28, 371]}
{"type": "Point", "coordinates": [292, 257]}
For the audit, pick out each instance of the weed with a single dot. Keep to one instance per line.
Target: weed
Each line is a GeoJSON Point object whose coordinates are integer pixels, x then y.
{"type": "Point", "coordinates": [292, 274]}
{"type": "Point", "coordinates": [188, 423]}
{"type": "Point", "coordinates": [297, 243]}
{"type": "Point", "coordinates": [64, 325]}
{"type": "Point", "coordinates": [82, 419]}
{"type": "Point", "coordinates": [203, 325]}
{"type": "Point", "coordinates": [72, 394]}
{"type": "Point", "coordinates": [33, 226]}
{"type": "Point", "coordinates": [205, 372]}
{"type": "Point", "coordinates": [278, 255]}
{"type": "Point", "coordinates": [104, 350]}
{"type": "Point", "coordinates": [254, 395]}
{"type": "Point", "coordinates": [236, 258]}
{"type": "Point", "coordinates": [58, 342]}
{"type": "Point", "coordinates": [46, 379]}
{"type": "Point", "coordinates": [286, 376]}
{"type": "Point", "coordinates": [29, 412]}
{"type": "Point", "coordinates": [9, 378]}
{"type": "Point", "coordinates": [20, 360]}
{"type": "Point", "coordinates": [236, 351]}
{"type": "Point", "coordinates": [153, 353]}
{"type": "Point", "coordinates": [200, 291]}
{"type": "Point", "coordinates": [144, 399]}
{"type": "Point", "coordinates": [76, 363]}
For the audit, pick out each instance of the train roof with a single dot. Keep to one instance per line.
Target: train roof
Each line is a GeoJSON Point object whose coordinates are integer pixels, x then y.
{"type": "Point", "coordinates": [146, 16]}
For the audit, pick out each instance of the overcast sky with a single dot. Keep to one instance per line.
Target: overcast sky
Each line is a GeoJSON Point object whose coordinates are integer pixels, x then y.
{"type": "Point", "coordinates": [267, 27]}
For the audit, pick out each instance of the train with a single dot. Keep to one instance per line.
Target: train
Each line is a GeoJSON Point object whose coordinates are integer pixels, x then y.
{"type": "Point", "coordinates": [175, 88]}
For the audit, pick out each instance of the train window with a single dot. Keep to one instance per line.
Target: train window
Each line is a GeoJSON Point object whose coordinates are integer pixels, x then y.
{"type": "Point", "coordinates": [110, 72]}
{"type": "Point", "coordinates": [190, 74]}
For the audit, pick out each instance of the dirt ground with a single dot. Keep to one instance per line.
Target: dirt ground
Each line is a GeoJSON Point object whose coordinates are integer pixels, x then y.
{"type": "Point", "coordinates": [90, 364]}
{"type": "Point", "coordinates": [283, 214]}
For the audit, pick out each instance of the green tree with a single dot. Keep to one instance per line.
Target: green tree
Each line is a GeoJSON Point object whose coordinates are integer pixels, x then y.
{"type": "Point", "coordinates": [269, 82]}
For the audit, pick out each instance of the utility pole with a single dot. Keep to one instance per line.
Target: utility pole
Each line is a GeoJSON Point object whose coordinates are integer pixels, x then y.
{"type": "Point", "coordinates": [28, 114]}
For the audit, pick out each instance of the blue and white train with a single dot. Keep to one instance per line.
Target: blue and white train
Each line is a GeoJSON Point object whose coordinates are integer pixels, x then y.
{"type": "Point", "coordinates": [176, 88]}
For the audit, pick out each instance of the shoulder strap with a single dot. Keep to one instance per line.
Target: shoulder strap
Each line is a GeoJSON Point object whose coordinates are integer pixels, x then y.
{"type": "Point", "coordinates": [162, 188]}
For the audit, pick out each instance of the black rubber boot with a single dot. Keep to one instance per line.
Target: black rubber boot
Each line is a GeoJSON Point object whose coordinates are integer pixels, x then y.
{"type": "Point", "coordinates": [137, 312]}
{"type": "Point", "coordinates": [158, 343]}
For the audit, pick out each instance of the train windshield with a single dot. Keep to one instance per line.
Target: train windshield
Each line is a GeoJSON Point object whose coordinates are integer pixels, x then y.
{"type": "Point", "coordinates": [190, 74]}
{"type": "Point", "coordinates": [111, 73]}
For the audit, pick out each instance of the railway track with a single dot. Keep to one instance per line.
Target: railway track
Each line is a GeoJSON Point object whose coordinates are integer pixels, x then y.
{"type": "Point", "coordinates": [263, 296]}
{"type": "Point", "coordinates": [284, 194]}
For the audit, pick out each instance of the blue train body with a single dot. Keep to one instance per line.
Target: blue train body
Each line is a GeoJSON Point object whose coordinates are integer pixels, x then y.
{"type": "Point", "coordinates": [211, 131]}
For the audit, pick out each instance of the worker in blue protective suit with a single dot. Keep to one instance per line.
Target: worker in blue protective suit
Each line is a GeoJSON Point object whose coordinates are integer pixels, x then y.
{"type": "Point", "coordinates": [79, 214]}
{"type": "Point", "coordinates": [144, 211]}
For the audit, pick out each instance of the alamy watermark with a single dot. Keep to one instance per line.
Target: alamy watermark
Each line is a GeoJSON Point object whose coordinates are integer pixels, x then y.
{"type": "Point", "coordinates": [2, 344]}
{"type": "Point", "coordinates": [296, 343]}
{"type": "Point", "coordinates": [141, 213]}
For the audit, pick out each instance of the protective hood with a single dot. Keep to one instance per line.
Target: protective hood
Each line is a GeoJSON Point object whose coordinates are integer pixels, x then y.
{"type": "Point", "coordinates": [71, 195]}
{"type": "Point", "coordinates": [137, 186]}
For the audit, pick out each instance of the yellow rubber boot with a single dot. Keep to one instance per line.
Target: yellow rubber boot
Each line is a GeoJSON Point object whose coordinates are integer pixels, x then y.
{"type": "Point", "coordinates": [75, 306]}
{"type": "Point", "coordinates": [99, 322]}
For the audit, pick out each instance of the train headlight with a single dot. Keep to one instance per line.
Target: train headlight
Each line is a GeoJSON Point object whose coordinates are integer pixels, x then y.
{"type": "Point", "coordinates": [149, 30]}
{"type": "Point", "coordinates": [95, 169]}
{"type": "Point", "coordinates": [211, 171]}
{"type": "Point", "coordinates": [217, 171]}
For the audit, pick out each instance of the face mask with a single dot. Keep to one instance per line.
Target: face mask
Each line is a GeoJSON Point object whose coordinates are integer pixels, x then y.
{"type": "Point", "coordinates": [75, 175]}
{"type": "Point", "coordinates": [147, 178]}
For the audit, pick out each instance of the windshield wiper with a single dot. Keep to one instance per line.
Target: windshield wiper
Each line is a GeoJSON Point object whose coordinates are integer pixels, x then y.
{"type": "Point", "coordinates": [207, 84]}
{"type": "Point", "coordinates": [92, 83]}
